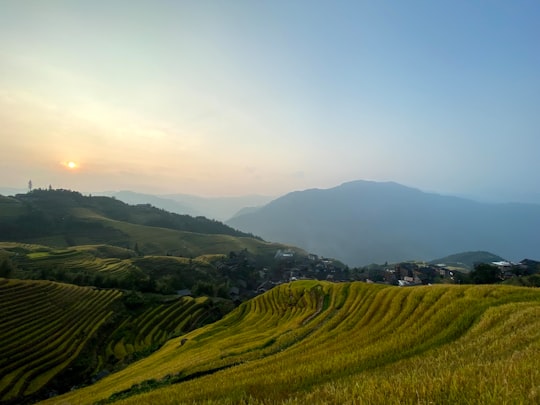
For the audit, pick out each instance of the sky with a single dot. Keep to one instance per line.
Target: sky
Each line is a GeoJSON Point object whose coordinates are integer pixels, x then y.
{"type": "Point", "coordinates": [220, 98]}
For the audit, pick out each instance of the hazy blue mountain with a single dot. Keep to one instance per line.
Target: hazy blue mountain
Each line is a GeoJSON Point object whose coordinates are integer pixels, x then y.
{"type": "Point", "coordinates": [364, 222]}
{"type": "Point", "coordinates": [168, 204]}
{"type": "Point", "coordinates": [11, 191]}
{"type": "Point", "coordinates": [468, 259]}
{"type": "Point", "coordinates": [219, 208]}
{"type": "Point", "coordinates": [246, 210]}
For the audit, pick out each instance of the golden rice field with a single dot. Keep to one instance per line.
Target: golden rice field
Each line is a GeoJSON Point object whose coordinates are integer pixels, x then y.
{"type": "Point", "coordinates": [88, 258]}
{"type": "Point", "coordinates": [155, 325]}
{"type": "Point", "coordinates": [315, 342]}
{"type": "Point", "coordinates": [108, 261]}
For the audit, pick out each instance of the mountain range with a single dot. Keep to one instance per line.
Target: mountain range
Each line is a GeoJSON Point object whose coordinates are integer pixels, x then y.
{"type": "Point", "coordinates": [364, 222]}
{"type": "Point", "coordinates": [218, 208]}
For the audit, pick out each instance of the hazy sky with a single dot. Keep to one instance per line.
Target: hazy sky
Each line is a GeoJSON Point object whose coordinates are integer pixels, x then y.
{"type": "Point", "coordinates": [241, 97]}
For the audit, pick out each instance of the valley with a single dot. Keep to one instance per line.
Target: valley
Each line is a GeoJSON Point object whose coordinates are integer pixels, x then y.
{"type": "Point", "coordinates": [103, 302]}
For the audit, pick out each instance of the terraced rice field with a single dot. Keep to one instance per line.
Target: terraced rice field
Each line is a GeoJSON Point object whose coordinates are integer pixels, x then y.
{"type": "Point", "coordinates": [155, 325]}
{"type": "Point", "coordinates": [43, 327]}
{"type": "Point", "coordinates": [108, 261]}
{"type": "Point", "coordinates": [350, 343]}
{"type": "Point", "coordinates": [83, 258]}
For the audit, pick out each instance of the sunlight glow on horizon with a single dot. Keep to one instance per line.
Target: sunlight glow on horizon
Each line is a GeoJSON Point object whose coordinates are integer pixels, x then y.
{"type": "Point", "coordinates": [70, 165]}
{"type": "Point", "coordinates": [270, 97]}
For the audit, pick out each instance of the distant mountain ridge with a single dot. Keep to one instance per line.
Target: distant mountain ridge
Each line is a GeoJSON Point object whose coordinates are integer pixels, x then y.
{"type": "Point", "coordinates": [219, 208]}
{"type": "Point", "coordinates": [364, 222]}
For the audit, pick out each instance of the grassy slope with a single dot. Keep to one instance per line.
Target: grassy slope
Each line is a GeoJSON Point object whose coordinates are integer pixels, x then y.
{"type": "Point", "coordinates": [315, 342]}
{"type": "Point", "coordinates": [151, 239]}
{"type": "Point", "coordinates": [159, 241]}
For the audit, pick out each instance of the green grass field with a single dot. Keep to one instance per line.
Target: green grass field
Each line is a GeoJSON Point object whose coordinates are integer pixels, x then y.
{"type": "Point", "coordinates": [347, 343]}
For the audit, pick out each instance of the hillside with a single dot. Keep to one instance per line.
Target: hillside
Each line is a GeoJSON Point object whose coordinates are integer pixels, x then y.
{"type": "Point", "coordinates": [365, 222]}
{"type": "Point", "coordinates": [61, 218]}
{"type": "Point", "coordinates": [52, 208]}
{"type": "Point", "coordinates": [318, 342]}
{"type": "Point", "coordinates": [108, 266]}
{"type": "Point", "coordinates": [55, 336]}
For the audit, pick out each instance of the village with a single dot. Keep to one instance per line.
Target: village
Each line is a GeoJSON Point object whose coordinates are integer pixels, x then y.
{"type": "Point", "coordinates": [290, 267]}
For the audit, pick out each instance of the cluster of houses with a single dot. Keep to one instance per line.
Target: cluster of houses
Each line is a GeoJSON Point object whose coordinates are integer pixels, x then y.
{"type": "Point", "coordinates": [523, 268]}
{"type": "Point", "coordinates": [403, 274]}
{"type": "Point", "coordinates": [410, 273]}
{"type": "Point", "coordinates": [291, 267]}
{"type": "Point", "coordinates": [247, 278]}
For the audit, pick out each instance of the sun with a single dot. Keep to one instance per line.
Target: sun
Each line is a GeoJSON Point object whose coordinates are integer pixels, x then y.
{"type": "Point", "coordinates": [70, 165]}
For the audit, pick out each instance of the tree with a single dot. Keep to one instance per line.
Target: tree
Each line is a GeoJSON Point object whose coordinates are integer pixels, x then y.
{"type": "Point", "coordinates": [6, 268]}
{"type": "Point", "coordinates": [484, 273]}
{"type": "Point", "coordinates": [462, 278]}
{"type": "Point", "coordinates": [204, 288]}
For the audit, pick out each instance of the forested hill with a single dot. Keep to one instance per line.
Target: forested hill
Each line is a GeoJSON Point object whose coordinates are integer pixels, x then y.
{"type": "Point", "coordinates": [42, 212]}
